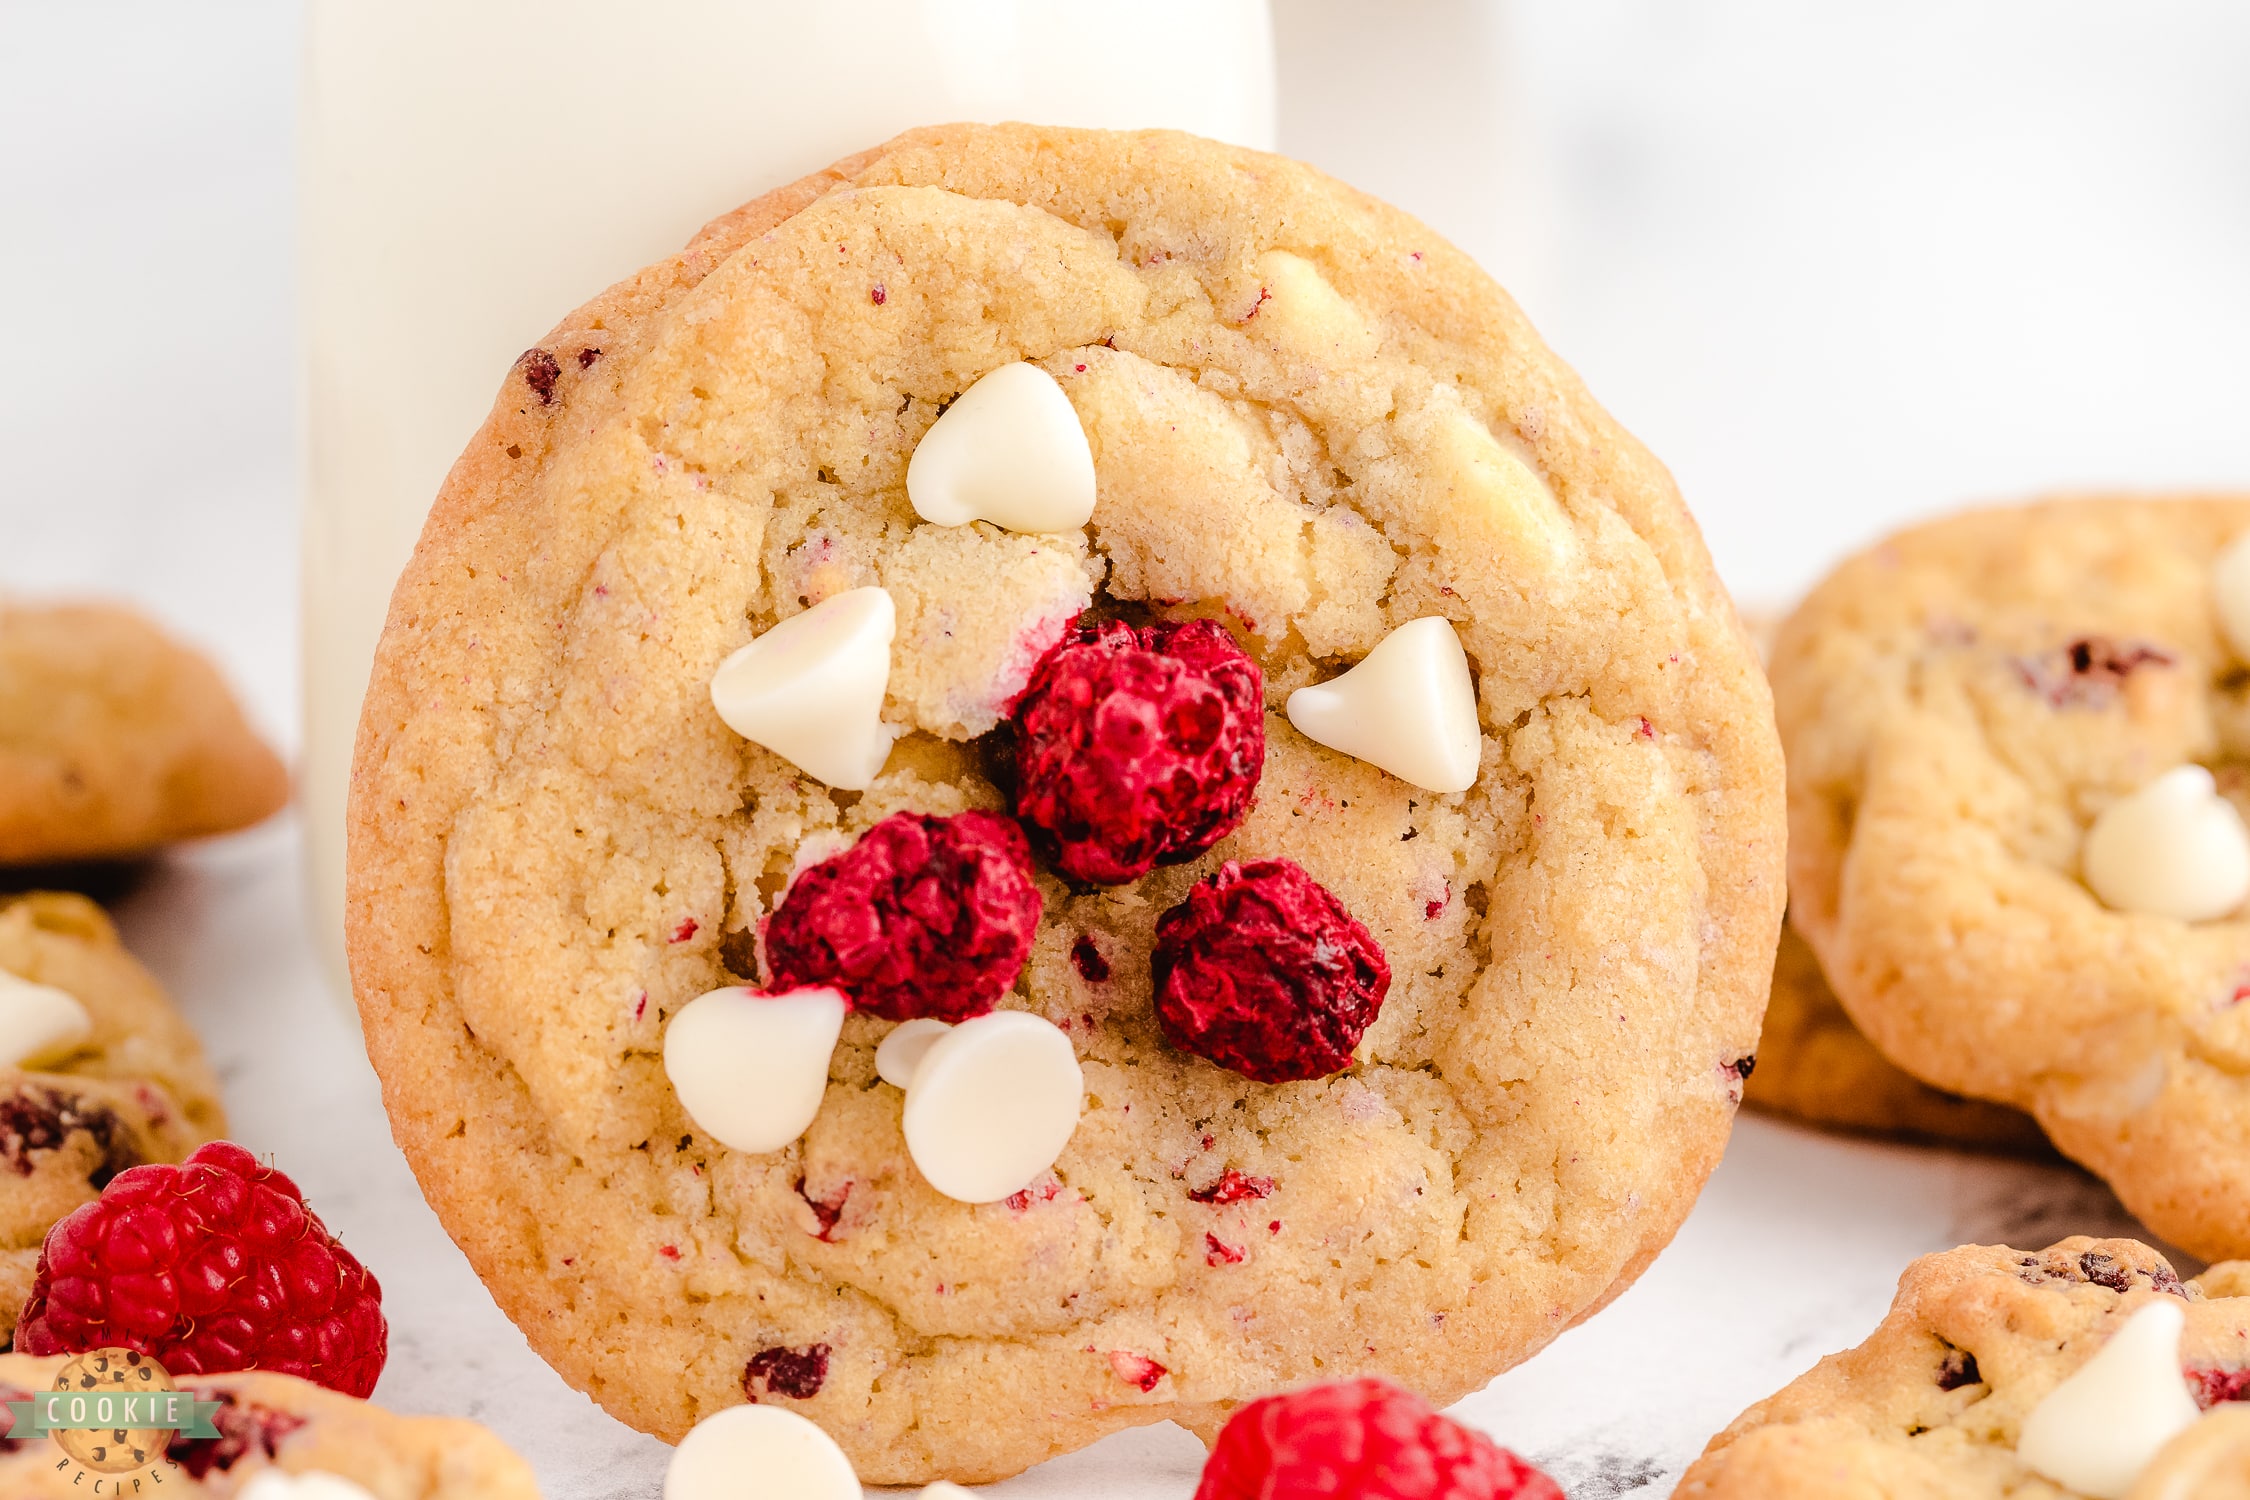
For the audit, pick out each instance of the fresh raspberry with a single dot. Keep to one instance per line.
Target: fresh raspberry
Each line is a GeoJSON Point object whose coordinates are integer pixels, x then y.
{"type": "Point", "coordinates": [211, 1265]}
{"type": "Point", "coordinates": [1366, 1439]}
{"type": "Point", "coordinates": [1263, 971]}
{"type": "Point", "coordinates": [1138, 747]}
{"type": "Point", "coordinates": [923, 916]}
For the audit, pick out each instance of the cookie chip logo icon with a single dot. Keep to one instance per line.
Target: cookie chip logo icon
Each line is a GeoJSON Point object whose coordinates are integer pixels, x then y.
{"type": "Point", "coordinates": [113, 1411]}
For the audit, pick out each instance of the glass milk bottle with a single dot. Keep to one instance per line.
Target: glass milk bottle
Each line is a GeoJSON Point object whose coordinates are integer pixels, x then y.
{"type": "Point", "coordinates": [474, 169]}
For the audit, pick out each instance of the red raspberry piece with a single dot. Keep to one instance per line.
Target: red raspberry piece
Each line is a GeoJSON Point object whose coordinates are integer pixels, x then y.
{"type": "Point", "coordinates": [243, 1430]}
{"type": "Point", "coordinates": [211, 1265]}
{"type": "Point", "coordinates": [924, 916]}
{"type": "Point", "coordinates": [1367, 1439]}
{"type": "Point", "coordinates": [1138, 747]}
{"type": "Point", "coordinates": [1263, 971]}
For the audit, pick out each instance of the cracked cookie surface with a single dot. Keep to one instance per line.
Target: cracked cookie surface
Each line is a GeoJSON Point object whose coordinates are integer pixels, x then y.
{"type": "Point", "coordinates": [1310, 420]}
{"type": "Point", "coordinates": [136, 1090]}
{"type": "Point", "coordinates": [1958, 704]}
{"type": "Point", "coordinates": [1934, 1401]}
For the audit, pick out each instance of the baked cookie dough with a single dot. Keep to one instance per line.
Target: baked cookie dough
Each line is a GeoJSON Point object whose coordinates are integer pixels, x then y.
{"type": "Point", "coordinates": [1945, 1398]}
{"type": "Point", "coordinates": [1311, 420]}
{"type": "Point", "coordinates": [116, 740]}
{"type": "Point", "coordinates": [134, 1088]}
{"type": "Point", "coordinates": [1815, 1065]}
{"type": "Point", "coordinates": [276, 1424]}
{"type": "Point", "coordinates": [1961, 706]}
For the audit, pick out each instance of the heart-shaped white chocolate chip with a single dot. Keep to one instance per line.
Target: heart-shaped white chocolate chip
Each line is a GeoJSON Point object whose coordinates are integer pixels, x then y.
{"type": "Point", "coordinates": [898, 1057]}
{"type": "Point", "coordinates": [38, 1023]}
{"type": "Point", "coordinates": [311, 1484]}
{"type": "Point", "coordinates": [750, 1068]}
{"type": "Point", "coordinates": [811, 689]}
{"type": "Point", "coordinates": [2175, 848]}
{"type": "Point", "coordinates": [759, 1450]}
{"type": "Point", "coordinates": [1010, 451]}
{"type": "Point", "coordinates": [992, 1104]}
{"type": "Point", "coordinates": [1408, 707]}
{"type": "Point", "coordinates": [2096, 1431]}
{"type": "Point", "coordinates": [2230, 593]}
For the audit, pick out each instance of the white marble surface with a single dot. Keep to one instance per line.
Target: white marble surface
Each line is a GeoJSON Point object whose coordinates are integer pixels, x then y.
{"type": "Point", "coordinates": [1838, 271]}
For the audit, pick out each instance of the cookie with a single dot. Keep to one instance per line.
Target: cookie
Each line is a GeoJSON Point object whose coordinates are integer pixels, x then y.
{"type": "Point", "coordinates": [133, 1088]}
{"type": "Point", "coordinates": [1815, 1065]}
{"type": "Point", "coordinates": [116, 740]}
{"type": "Point", "coordinates": [1962, 705]}
{"type": "Point", "coordinates": [1946, 1396]}
{"type": "Point", "coordinates": [278, 1423]}
{"type": "Point", "coordinates": [1310, 423]}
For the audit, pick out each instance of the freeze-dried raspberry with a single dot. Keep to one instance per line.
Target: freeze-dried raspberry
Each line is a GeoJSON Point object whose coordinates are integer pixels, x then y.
{"type": "Point", "coordinates": [1367, 1439]}
{"type": "Point", "coordinates": [1138, 747]}
{"type": "Point", "coordinates": [797, 1374]}
{"type": "Point", "coordinates": [1233, 1187]}
{"type": "Point", "coordinates": [1263, 971]}
{"type": "Point", "coordinates": [243, 1430]}
{"type": "Point", "coordinates": [2214, 1385]}
{"type": "Point", "coordinates": [214, 1264]}
{"type": "Point", "coordinates": [924, 916]}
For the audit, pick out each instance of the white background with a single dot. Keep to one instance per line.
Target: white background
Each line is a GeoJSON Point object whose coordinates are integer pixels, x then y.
{"type": "Point", "coordinates": [1839, 266]}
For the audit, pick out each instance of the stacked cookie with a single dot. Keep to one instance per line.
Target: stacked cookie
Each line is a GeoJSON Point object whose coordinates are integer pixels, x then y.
{"type": "Point", "coordinates": [2008, 847]}
{"type": "Point", "coordinates": [98, 1073]}
{"type": "Point", "coordinates": [965, 640]}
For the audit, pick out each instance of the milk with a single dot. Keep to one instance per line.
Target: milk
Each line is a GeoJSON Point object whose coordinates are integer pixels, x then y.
{"type": "Point", "coordinates": [474, 169]}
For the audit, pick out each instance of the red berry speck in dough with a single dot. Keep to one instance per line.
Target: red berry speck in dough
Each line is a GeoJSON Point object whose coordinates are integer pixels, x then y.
{"type": "Point", "coordinates": [1138, 746]}
{"type": "Point", "coordinates": [211, 1265]}
{"type": "Point", "coordinates": [924, 916]}
{"type": "Point", "coordinates": [1361, 1440]}
{"type": "Point", "coordinates": [1263, 971]}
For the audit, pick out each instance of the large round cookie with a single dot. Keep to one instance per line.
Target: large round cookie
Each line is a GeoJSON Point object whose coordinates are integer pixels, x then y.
{"type": "Point", "coordinates": [1958, 705]}
{"type": "Point", "coordinates": [1935, 1401]}
{"type": "Point", "coordinates": [1815, 1065]}
{"type": "Point", "coordinates": [1310, 417]}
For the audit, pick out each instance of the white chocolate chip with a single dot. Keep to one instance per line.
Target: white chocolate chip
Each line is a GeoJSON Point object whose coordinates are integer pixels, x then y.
{"type": "Point", "coordinates": [811, 689]}
{"type": "Point", "coordinates": [992, 1105]}
{"type": "Point", "coordinates": [898, 1057]}
{"type": "Point", "coordinates": [749, 1068]}
{"type": "Point", "coordinates": [312, 1484]}
{"type": "Point", "coordinates": [2096, 1431]}
{"type": "Point", "coordinates": [749, 1451]}
{"type": "Point", "coordinates": [2175, 848]}
{"type": "Point", "coordinates": [38, 1023]}
{"type": "Point", "coordinates": [1009, 451]}
{"type": "Point", "coordinates": [1408, 707]}
{"type": "Point", "coordinates": [2230, 593]}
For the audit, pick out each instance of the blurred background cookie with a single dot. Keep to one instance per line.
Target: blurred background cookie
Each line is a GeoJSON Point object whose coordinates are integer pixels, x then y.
{"type": "Point", "coordinates": [1815, 1065]}
{"type": "Point", "coordinates": [2018, 747]}
{"type": "Point", "coordinates": [116, 739]}
{"type": "Point", "coordinates": [279, 1425]}
{"type": "Point", "coordinates": [98, 1073]}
